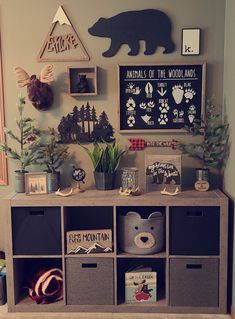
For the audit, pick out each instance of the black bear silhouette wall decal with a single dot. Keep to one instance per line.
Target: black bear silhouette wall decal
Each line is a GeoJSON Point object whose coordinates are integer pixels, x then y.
{"type": "Point", "coordinates": [152, 26]}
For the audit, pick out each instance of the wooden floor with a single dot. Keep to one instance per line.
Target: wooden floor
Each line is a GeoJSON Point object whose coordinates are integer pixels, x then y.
{"type": "Point", "coordinates": [4, 314]}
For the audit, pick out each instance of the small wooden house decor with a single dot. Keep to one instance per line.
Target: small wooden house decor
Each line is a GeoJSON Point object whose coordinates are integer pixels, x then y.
{"type": "Point", "coordinates": [84, 126]}
{"type": "Point", "coordinates": [89, 241]}
{"type": "Point", "coordinates": [62, 42]}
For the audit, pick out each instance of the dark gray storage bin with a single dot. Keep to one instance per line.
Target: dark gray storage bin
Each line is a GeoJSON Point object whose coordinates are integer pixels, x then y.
{"type": "Point", "coordinates": [89, 281]}
{"type": "Point", "coordinates": [3, 289]}
{"type": "Point", "coordinates": [36, 230]}
{"type": "Point", "coordinates": [194, 230]}
{"type": "Point", "coordinates": [194, 282]}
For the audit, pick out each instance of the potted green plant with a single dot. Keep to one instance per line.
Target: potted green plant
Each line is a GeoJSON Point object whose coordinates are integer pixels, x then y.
{"type": "Point", "coordinates": [105, 159]}
{"type": "Point", "coordinates": [52, 154]}
{"type": "Point", "coordinates": [213, 149]}
{"type": "Point", "coordinates": [28, 140]}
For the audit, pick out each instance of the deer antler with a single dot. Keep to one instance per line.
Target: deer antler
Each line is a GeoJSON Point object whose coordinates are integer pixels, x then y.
{"type": "Point", "coordinates": [22, 77]}
{"type": "Point", "coordinates": [165, 192]}
{"type": "Point", "coordinates": [46, 75]}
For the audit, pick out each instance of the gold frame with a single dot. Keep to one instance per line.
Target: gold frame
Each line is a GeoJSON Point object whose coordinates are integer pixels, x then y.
{"type": "Point", "coordinates": [3, 160]}
{"type": "Point", "coordinates": [34, 177]}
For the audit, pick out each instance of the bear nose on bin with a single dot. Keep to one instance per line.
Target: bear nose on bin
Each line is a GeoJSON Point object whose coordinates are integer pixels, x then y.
{"type": "Point", "coordinates": [144, 239]}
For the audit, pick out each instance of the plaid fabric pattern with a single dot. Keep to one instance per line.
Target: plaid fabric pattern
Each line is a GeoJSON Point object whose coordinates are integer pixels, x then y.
{"type": "Point", "coordinates": [137, 144]}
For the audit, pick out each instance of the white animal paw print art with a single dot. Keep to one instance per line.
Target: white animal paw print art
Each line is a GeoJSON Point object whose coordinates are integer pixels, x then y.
{"type": "Point", "coordinates": [151, 104]}
{"type": "Point", "coordinates": [130, 104]}
{"type": "Point", "coordinates": [164, 108]}
{"type": "Point", "coordinates": [191, 118]}
{"type": "Point", "coordinates": [189, 94]}
{"type": "Point", "coordinates": [143, 105]}
{"type": "Point", "coordinates": [131, 121]}
{"type": "Point", "coordinates": [178, 93]}
{"type": "Point", "coordinates": [163, 119]}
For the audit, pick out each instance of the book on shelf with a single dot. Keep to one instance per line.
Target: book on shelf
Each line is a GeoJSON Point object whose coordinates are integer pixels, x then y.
{"type": "Point", "coordinates": [140, 285]}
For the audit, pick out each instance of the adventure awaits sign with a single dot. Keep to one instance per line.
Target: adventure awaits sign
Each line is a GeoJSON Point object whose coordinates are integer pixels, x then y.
{"type": "Point", "coordinates": [89, 241]}
{"type": "Point", "coordinates": [160, 97]}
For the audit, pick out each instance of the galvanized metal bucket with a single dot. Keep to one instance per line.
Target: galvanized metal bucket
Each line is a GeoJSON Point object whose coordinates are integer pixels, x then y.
{"type": "Point", "coordinates": [20, 181]}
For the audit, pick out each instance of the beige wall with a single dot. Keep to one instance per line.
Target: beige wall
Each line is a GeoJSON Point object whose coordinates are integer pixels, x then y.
{"type": "Point", "coordinates": [25, 24]}
{"type": "Point", "coordinates": [229, 101]}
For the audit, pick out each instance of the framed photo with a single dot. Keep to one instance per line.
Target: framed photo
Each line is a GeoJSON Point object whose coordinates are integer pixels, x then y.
{"type": "Point", "coordinates": [190, 44]}
{"type": "Point", "coordinates": [36, 183]}
{"type": "Point", "coordinates": [162, 171]}
{"type": "Point", "coordinates": [162, 97]}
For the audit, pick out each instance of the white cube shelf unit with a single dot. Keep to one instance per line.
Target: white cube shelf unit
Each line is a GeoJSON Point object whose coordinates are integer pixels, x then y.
{"type": "Point", "coordinates": [191, 269]}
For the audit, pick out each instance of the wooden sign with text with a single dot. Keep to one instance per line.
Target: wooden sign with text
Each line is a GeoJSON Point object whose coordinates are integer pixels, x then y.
{"type": "Point", "coordinates": [89, 241]}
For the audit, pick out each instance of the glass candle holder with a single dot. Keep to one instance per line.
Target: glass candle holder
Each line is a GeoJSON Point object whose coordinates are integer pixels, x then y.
{"type": "Point", "coordinates": [130, 178]}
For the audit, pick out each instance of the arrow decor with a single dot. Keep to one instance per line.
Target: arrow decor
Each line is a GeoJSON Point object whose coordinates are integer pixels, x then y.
{"type": "Point", "coordinates": [84, 126]}
{"type": "Point", "coordinates": [139, 144]}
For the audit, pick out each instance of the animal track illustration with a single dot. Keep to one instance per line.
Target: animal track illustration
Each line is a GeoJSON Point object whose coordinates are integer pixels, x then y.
{"type": "Point", "coordinates": [163, 119]}
{"type": "Point", "coordinates": [164, 108]}
{"type": "Point", "coordinates": [130, 104]}
{"type": "Point", "coordinates": [146, 118]}
{"type": "Point", "coordinates": [143, 105]}
{"type": "Point", "coordinates": [189, 94]}
{"type": "Point", "coordinates": [151, 104]}
{"type": "Point", "coordinates": [178, 93]}
{"type": "Point", "coordinates": [131, 121]}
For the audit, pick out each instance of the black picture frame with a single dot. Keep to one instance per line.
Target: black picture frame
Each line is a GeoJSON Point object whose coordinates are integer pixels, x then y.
{"type": "Point", "coordinates": [190, 41]}
{"type": "Point", "coordinates": [176, 96]}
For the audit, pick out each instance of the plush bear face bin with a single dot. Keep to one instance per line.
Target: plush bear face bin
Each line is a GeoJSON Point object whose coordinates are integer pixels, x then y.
{"type": "Point", "coordinates": [141, 236]}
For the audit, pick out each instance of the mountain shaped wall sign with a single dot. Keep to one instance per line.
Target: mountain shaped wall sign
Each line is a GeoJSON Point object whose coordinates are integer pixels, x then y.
{"type": "Point", "coordinates": [62, 42]}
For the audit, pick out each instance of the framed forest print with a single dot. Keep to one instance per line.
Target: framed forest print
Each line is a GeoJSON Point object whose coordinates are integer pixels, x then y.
{"type": "Point", "coordinates": [160, 97]}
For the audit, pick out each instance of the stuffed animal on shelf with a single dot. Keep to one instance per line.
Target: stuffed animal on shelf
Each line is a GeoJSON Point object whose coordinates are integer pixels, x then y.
{"type": "Point", "coordinates": [39, 90]}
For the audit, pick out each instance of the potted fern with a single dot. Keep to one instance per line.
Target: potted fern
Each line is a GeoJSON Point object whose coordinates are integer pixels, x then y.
{"type": "Point", "coordinates": [105, 160]}
{"type": "Point", "coordinates": [28, 140]}
{"type": "Point", "coordinates": [213, 150]}
{"type": "Point", "coordinates": [52, 155]}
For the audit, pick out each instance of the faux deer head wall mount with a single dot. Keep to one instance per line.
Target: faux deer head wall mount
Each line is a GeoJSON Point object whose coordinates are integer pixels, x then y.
{"type": "Point", "coordinates": [39, 90]}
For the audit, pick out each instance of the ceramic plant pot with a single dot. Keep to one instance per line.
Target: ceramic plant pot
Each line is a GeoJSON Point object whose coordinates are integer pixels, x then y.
{"type": "Point", "coordinates": [53, 181]}
{"type": "Point", "coordinates": [20, 181]}
{"type": "Point", "coordinates": [104, 181]}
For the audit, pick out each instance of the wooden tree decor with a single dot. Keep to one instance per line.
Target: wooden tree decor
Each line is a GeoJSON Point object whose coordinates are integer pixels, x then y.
{"type": "Point", "coordinates": [62, 42]}
{"type": "Point", "coordinates": [84, 126]}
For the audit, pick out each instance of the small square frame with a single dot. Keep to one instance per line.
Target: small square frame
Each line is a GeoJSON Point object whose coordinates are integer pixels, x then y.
{"type": "Point", "coordinates": [190, 42]}
{"type": "Point", "coordinates": [36, 183]}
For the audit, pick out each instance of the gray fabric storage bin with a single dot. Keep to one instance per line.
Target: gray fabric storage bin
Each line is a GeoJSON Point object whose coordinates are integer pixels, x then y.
{"type": "Point", "coordinates": [143, 236]}
{"type": "Point", "coordinates": [194, 282]}
{"type": "Point", "coordinates": [3, 292]}
{"type": "Point", "coordinates": [89, 281]}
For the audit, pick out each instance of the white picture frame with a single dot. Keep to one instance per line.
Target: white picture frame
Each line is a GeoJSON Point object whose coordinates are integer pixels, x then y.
{"type": "Point", "coordinates": [190, 44]}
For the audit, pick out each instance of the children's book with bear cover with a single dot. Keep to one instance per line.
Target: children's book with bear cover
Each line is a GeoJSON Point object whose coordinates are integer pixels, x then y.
{"type": "Point", "coordinates": [140, 285]}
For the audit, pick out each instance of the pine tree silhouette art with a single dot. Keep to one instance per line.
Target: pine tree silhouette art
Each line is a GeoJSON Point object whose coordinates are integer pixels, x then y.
{"type": "Point", "coordinates": [83, 126]}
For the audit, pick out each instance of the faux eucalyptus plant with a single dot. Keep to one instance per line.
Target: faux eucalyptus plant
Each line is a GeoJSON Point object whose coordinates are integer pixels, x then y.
{"type": "Point", "coordinates": [213, 150]}
{"type": "Point", "coordinates": [28, 139]}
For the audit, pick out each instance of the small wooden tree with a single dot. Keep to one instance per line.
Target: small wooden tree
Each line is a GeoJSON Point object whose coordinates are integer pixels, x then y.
{"type": "Point", "coordinates": [213, 150]}
{"type": "Point", "coordinates": [28, 139]}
